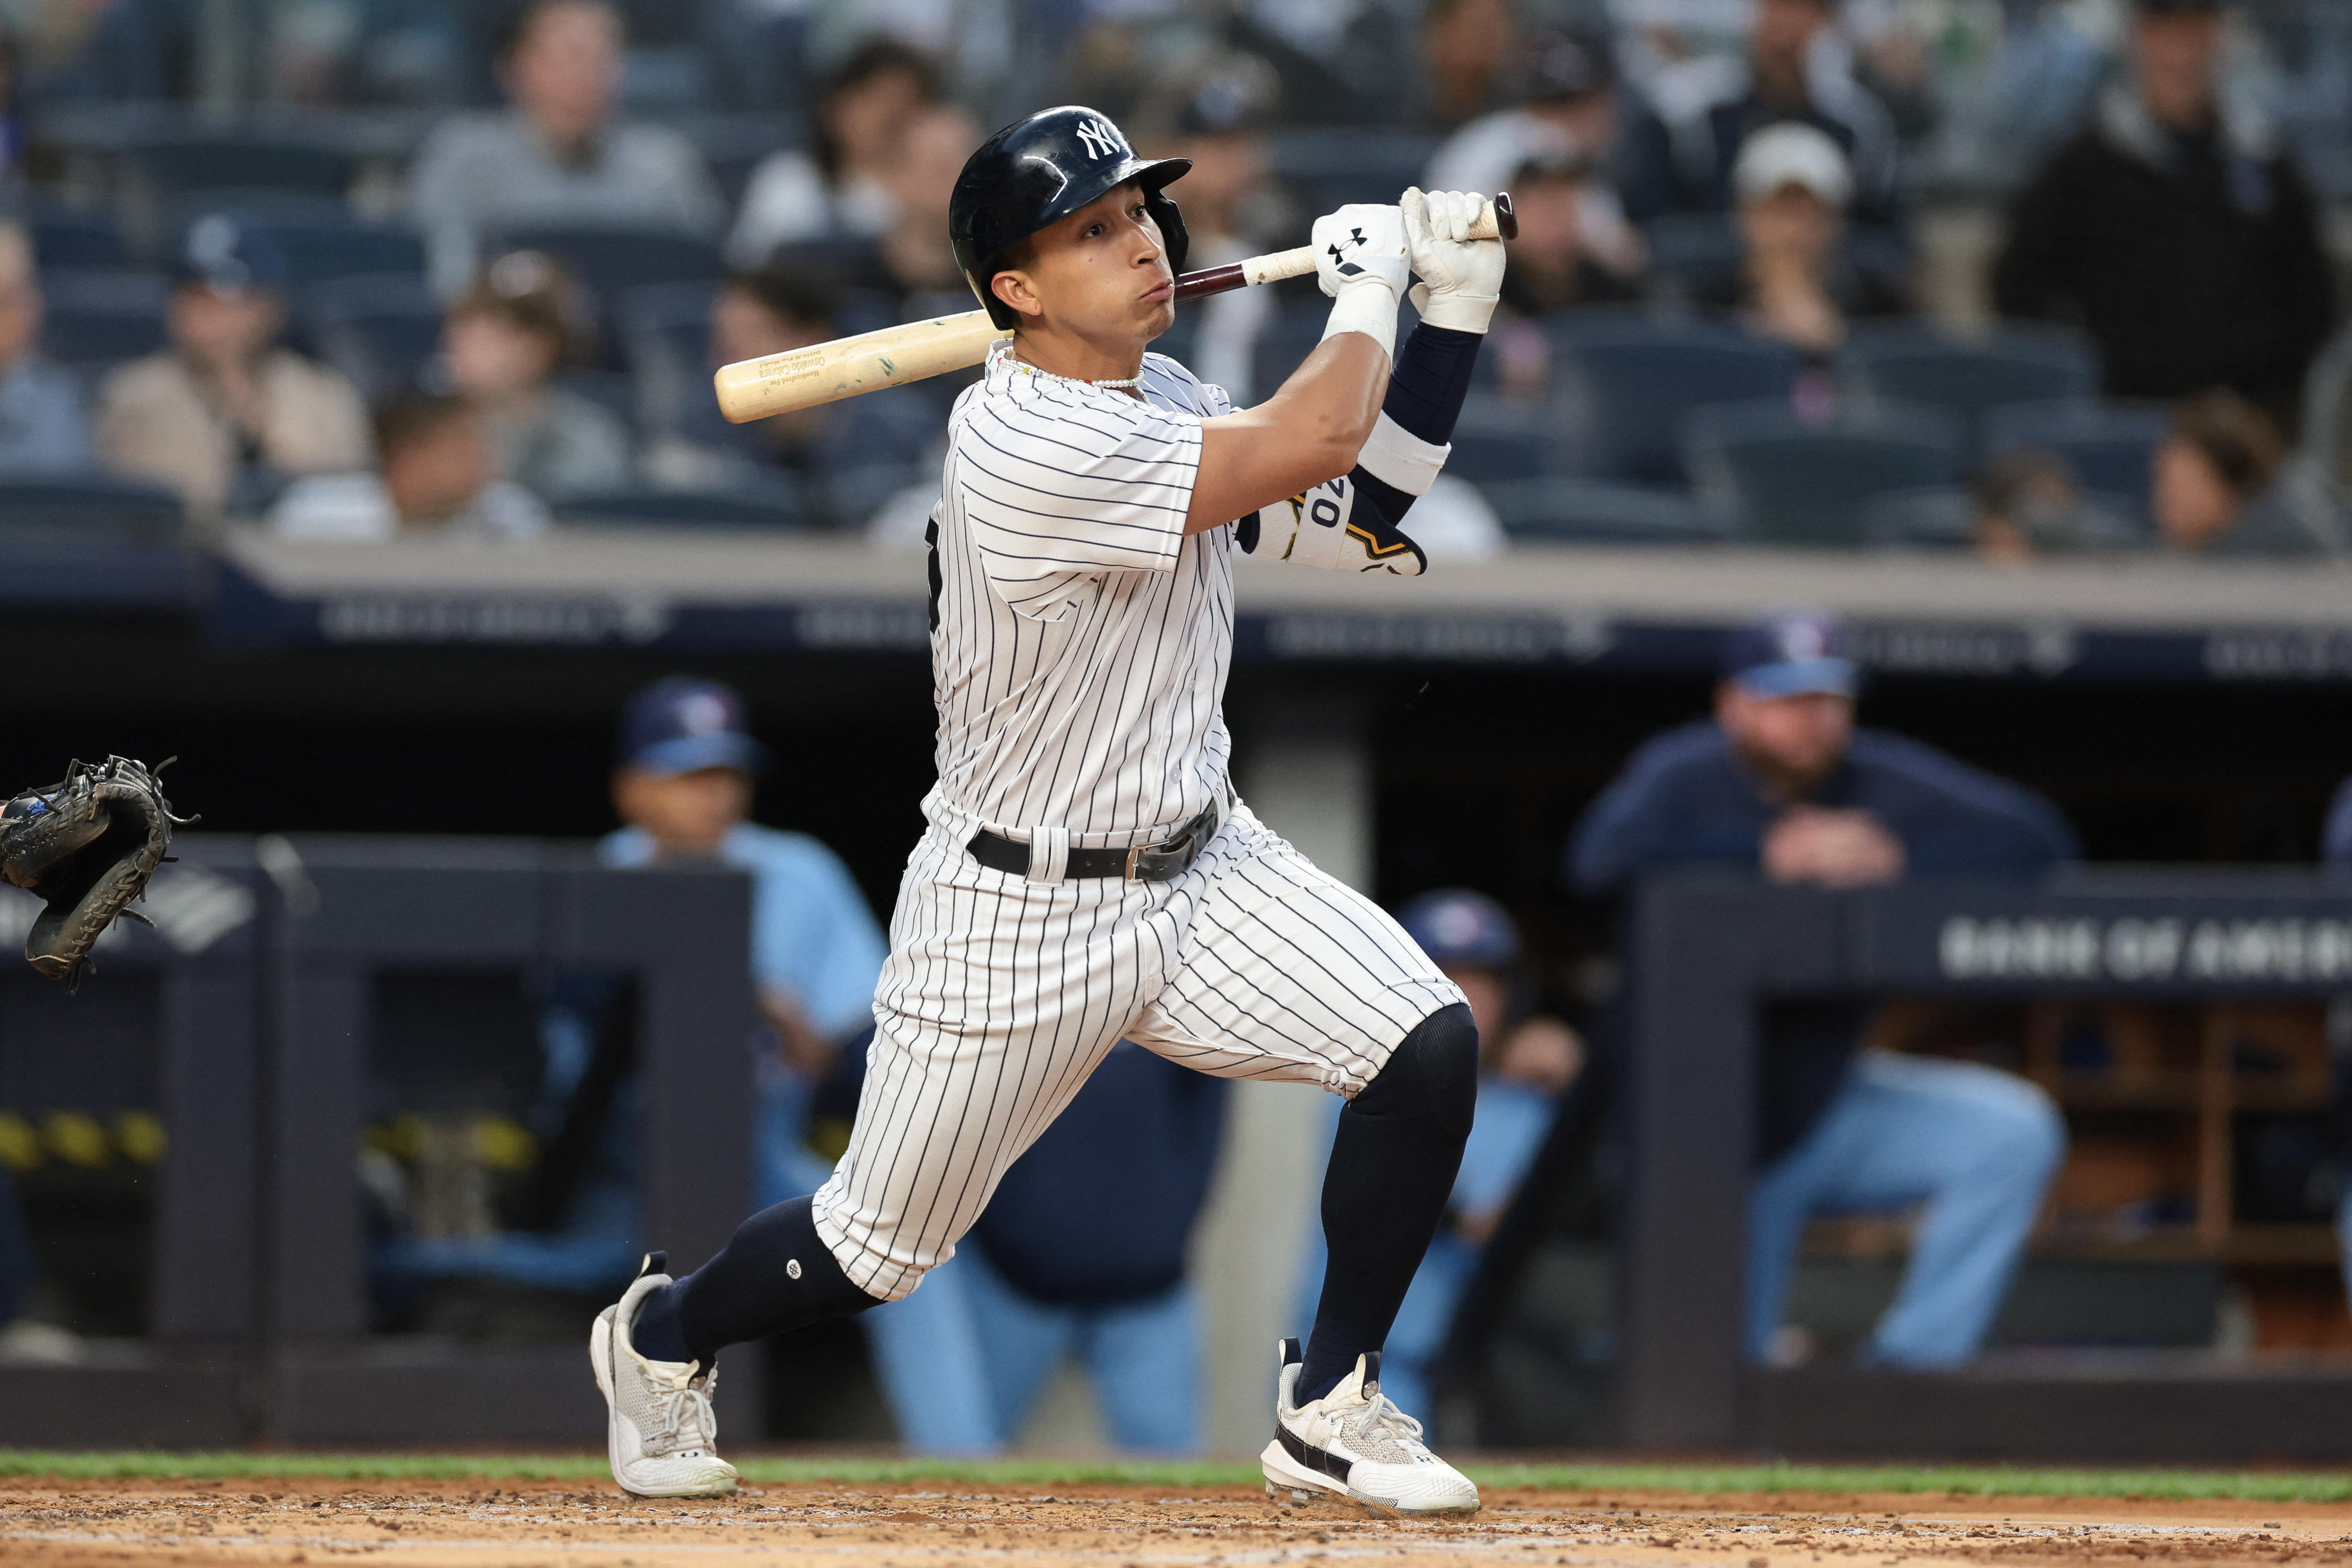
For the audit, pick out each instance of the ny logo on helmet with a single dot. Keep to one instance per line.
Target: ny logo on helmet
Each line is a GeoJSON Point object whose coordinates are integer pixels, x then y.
{"type": "Point", "coordinates": [1101, 138]}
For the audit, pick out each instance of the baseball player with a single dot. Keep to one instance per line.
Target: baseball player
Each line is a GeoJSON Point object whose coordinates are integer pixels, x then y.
{"type": "Point", "coordinates": [1088, 871]}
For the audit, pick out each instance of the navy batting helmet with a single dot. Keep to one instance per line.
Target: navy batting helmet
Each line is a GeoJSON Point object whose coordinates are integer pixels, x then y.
{"type": "Point", "coordinates": [1036, 172]}
{"type": "Point", "coordinates": [1457, 926]}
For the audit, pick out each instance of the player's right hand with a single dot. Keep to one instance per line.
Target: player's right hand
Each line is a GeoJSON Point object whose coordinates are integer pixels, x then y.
{"type": "Point", "coordinates": [1360, 244]}
{"type": "Point", "coordinates": [1461, 278]}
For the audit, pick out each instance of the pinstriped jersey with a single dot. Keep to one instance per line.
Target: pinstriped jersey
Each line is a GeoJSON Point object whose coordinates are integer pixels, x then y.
{"type": "Point", "coordinates": [1080, 639]}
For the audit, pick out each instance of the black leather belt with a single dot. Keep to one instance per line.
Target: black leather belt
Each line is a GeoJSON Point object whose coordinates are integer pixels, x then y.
{"type": "Point", "coordinates": [1162, 861]}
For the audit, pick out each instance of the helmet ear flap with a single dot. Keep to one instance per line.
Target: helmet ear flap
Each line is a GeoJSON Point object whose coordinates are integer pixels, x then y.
{"type": "Point", "coordinates": [1172, 235]}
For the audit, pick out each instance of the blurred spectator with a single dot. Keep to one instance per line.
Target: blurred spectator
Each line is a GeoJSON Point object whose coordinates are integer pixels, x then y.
{"type": "Point", "coordinates": [1569, 120]}
{"type": "Point", "coordinates": [41, 423]}
{"type": "Point", "coordinates": [326, 53]}
{"type": "Point", "coordinates": [1795, 282]}
{"type": "Point", "coordinates": [438, 483]}
{"type": "Point", "coordinates": [136, 50]}
{"type": "Point", "coordinates": [2028, 504]}
{"type": "Point", "coordinates": [1530, 1059]}
{"type": "Point", "coordinates": [1468, 46]}
{"type": "Point", "coordinates": [502, 344]}
{"type": "Point", "coordinates": [1679, 156]}
{"type": "Point", "coordinates": [2176, 229]}
{"type": "Point", "coordinates": [2215, 492]}
{"type": "Point", "coordinates": [1221, 125]}
{"type": "Point", "coordinates": [1554, 263]}
{"type": "Point", "coordinates": [225, 414]}
{"type": "Point", "coordinates": [913, 261]}
{"type": "Point", "coordinates": [843, 458]}
{"type": "Point", "coordinates": [556, 157]}
{"type": "Point", "coordinates": [683, 787]}
{"type": "Point", "coordinates": [1779, 781]}
{"type": "Point", "coordinates": [842, 187]}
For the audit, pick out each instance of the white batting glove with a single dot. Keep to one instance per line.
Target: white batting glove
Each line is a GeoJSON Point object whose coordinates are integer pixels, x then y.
{"type": "Point", "coordinates": [1461, 278]}
{"type": "Point", "coordinates": [1360, 261]}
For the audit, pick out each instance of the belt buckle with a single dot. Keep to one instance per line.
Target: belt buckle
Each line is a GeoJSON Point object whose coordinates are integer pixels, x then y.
{"type": "Point", "coordinates": [1158, 863]}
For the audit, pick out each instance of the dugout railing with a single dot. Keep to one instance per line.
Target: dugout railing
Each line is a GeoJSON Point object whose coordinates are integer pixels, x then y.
{"type": "Point", "coordinates": [260, 1323]}
{"type": "Point", "coordinates": [1705, 952]}
{"type": "Point", "coordinates": [165, 1025]}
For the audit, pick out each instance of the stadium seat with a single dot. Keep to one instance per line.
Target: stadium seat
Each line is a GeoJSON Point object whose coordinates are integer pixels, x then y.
{"type": "Point", "coordinates": [1632, 379]}
{"type": "Point", "coordinates": [378, 328]}
{"type": "Point", "coordinates": [179, 164]}
{"type": "Point", "coordinates": [97, 318]}
{"type": "Point", "coordinates": [1778, 479]}
{"type": "Point", "coordinates": [321, 241]}
{"type": "Point", "coordinates": [1352, 163]}
{"type": "Point", "coordinates": [1497, 440]}
{"type": "Point", "coordinates": [613, 261]}
{"type": "Point", "coordinates": [1598, 511]}
{"type": "Point", "coordinates": [1912, 362]}
{"type": "Point", "coordinates": [612, 391]}
{"type": "Point", "coordinates": [1686, 247]}
{"type": "Point", "coordinates": [1943, 517]}
{"type": "Point", "coordinates": [86, 509]}
{"type": "Point", "coordinates": [68, 240]}
{"type": "Point", "coordinates": [1289, 335]}
{"type": "Point", "coordinates": [1934, 517]}
{"type": "Point", "coordinates": [664, 336]}
{"type": "Point", "coordinates": [2110, 445]}
{"type": "Point", "coordinates": [773, 509]}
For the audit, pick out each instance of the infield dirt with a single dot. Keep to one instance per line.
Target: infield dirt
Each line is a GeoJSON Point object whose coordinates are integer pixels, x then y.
{"type": "Point", "coordinates": [49, 1523]}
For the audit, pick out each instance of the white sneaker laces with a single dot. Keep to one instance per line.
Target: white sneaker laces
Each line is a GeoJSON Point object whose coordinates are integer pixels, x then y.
{"type": "Point", "coordinates": [1381, 1414]}
{"type": "Point", "coordinates": [688, 1421]}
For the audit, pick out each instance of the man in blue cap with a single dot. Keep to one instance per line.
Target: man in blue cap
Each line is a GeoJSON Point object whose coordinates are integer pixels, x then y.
{"type": "Point", "coordinates": [1781, 781]}
{"type": "Point", "coordinates": [225, 413]}
{"type": "Point", "coordinates": [684, 788]}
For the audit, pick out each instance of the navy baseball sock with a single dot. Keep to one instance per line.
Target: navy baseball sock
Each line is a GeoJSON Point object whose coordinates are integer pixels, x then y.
{"type": "Point", "coordinates": [1393, 1170]}
{"type": "Point", "coordinates": [775, 1274]}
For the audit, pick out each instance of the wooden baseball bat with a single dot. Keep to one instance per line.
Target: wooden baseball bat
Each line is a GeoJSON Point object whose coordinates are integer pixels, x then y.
{"type": "Point", "coordinates": [827, 373]}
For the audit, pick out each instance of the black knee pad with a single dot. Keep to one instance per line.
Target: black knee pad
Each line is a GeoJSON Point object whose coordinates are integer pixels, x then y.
{"type": "Point", "coordinates": [1434, 1074]}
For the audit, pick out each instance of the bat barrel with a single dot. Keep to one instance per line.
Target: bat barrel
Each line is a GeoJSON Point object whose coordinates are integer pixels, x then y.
{"type": "Point", "coordinates": [782, 383]}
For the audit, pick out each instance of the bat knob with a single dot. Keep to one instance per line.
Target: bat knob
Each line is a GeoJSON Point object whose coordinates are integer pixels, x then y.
{"type": "Point", "coordinates": [1506, 222]}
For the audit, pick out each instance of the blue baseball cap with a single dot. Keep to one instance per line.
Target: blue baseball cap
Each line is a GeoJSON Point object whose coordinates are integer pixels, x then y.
{"type": "Point", "coordinates": [1455, 925]}
{"type": "Point", "coordinates": [1796, 653]}
{"type": "Point", "coordinates": [229, 257]}
{"type": "Point", "coordinates": [681, 724]}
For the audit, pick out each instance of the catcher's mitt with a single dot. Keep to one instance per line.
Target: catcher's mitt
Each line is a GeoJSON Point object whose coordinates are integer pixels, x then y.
{"type": "Point", "coordinates": [87, 846]}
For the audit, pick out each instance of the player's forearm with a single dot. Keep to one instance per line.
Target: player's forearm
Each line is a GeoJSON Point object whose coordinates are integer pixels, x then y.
{"type": "Point", "coordinates": [1308, 433]}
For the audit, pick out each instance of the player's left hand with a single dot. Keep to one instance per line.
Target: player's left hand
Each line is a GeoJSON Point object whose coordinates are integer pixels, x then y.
{"type": "Point", "coordinates": [1359, 243]}
{"type": "Point", "coordinates": [1461, 278]}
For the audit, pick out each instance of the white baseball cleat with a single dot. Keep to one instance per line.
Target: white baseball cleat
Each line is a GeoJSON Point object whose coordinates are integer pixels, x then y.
{"type": "Point", "coordinates": [660, 1432]}
{"type": "Point", "coordinates": [1354, 1442]}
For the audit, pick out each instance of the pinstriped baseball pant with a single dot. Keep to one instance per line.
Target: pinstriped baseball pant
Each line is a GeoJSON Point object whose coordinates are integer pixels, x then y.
{"type": "Point", "coordinates": [1001, 995]}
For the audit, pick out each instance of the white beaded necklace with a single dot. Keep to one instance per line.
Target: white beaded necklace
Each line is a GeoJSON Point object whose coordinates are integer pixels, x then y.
{"type": "Point", "coordinates": [1124, 381]}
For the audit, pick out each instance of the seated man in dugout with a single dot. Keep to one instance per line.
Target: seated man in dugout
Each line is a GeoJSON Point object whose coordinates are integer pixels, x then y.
{"type": "Point", "coordinates": [1779, 781]}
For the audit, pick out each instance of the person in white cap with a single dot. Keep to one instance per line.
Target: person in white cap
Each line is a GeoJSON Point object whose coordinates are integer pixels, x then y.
{"type": "Point", "coordinates": [1793, 185]}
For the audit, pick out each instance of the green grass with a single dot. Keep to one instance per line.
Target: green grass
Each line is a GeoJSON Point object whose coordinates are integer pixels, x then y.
{"type": "Point", "coordinates": [2281, 1485]}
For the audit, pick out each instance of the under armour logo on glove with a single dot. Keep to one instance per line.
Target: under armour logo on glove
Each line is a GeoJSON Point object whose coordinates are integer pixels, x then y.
{"type": "Point", "coordinates": [1330, 525]}
{"type": "Point", "coordinates": [1339, 262]}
